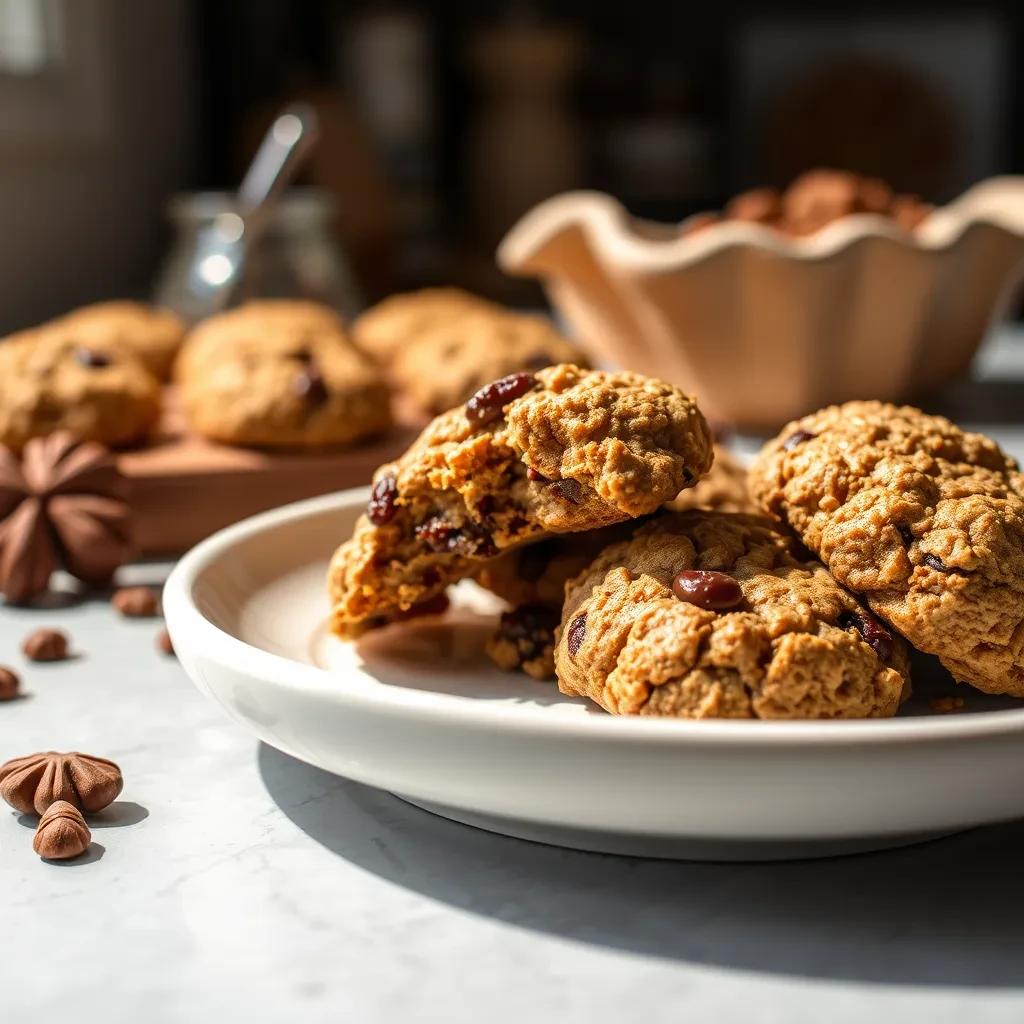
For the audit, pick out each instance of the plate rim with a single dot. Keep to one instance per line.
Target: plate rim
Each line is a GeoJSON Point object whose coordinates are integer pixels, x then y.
{"type": "Point", "coordinates": [190, 627]}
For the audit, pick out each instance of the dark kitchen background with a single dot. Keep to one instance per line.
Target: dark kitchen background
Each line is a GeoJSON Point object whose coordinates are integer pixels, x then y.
{"type": "Point", "coordinates": [443, 123]}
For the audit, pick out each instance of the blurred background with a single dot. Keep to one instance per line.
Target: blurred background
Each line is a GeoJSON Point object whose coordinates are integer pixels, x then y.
{"type": "Point", "coordinates": [442, 123]}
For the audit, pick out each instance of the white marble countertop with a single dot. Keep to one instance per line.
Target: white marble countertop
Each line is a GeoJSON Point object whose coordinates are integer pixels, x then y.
{"type": "Point", "coordinates": [233, 883]}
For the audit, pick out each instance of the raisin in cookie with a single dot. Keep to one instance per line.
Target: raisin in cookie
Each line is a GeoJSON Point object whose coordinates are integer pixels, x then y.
{"type": "Point", "coordinates": [923, 519]}
{"type": "Point", "coordinates": [557, 452]}
{"type": "Point", "coordinates": [537, 573]}
{"type": "Point", "coordinates": [267, 378]}
{"type": "Point", "coordinates": [452, 359]}
{"type": "Point", "coordinates": [152, 335]}
{"type": "Point", "coordinates": [400, 320]}
{"type": "Point", "coordinates": [525, 641]}
{"type": "Point", "coordinates": [50, 380]}
{"type": "Point", "coordinates": [532, 578]}
{"type": "Point", "coordinates": [713, 615]}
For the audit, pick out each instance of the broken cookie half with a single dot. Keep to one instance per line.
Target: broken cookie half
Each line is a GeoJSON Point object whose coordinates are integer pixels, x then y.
{"type": "Point", "coordinates": [560, 451]}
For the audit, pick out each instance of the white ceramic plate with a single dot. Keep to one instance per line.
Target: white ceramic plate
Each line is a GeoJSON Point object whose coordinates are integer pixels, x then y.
{"type": "Point", "coordinates": [418, 710]}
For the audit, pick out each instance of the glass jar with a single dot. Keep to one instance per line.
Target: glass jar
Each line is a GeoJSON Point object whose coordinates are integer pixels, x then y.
{"type": "Point", "coordinates": [296, 255]}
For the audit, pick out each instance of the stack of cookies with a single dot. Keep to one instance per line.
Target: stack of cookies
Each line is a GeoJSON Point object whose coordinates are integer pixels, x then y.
{"type": "Point", "coordinates": [645, 574]}
{"type": "Point", "coordinates": [268, 374]}
{"type": "Point", "coordinates": [287, 373]}
{"type": "Point", "coordinates": [275, 373]}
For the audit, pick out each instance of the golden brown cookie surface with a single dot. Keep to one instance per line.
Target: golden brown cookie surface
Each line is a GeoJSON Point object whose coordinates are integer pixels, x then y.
{"type": "Point", "coordinates": [922, 518]}
{"type": "Point", "coordinates": [50, 380]}
{"type": "Point", "coordinates": [525, 641]}
{"type": "Point", "coordinates": [723, 489]}
{"type": "Point", "coordinates": [533, 578]}
{"type": "Point", "coordinates": [152, 335]}
{"type": "Point", "coordinates": [400, 320]}
{"type": "Point", "coordinates": [282, 374]}
{"type": "Point", "coordinates": [452, 359]}
{"type": "Point", "coordinates": [561, 451]}
{"type": "Point", "coordinates": [712, 615]}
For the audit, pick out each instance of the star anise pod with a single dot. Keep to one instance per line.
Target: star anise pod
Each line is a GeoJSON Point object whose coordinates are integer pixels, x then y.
{"type": "Point", "coordinates": [61, 505]}
{"type": "Point", "coordinates": [30, 784]}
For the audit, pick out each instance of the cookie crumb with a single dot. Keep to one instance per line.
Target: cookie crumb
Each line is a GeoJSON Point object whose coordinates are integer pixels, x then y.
{"type": "Point", "coordinates": [946, 705]}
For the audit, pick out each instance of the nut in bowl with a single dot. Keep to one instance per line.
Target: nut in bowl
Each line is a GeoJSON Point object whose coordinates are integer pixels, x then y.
{"type": "Point", "coordinates": [764, 326]}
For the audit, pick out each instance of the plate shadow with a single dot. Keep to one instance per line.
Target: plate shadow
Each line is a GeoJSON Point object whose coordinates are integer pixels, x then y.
{"type": "Point", "coordinates": [945, 913]}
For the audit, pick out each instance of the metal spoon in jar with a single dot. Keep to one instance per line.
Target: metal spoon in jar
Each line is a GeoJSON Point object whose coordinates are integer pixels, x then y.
{"type": "Point", "coordinates": [222, 247]}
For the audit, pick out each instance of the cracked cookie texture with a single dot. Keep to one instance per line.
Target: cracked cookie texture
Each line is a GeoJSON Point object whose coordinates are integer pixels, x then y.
{"type": "Point", "coordinates": [724, 489]}
{"type": "Point", "coordinates": [792, 647]}
{"type": "Point", "coordinates": [532, 578]}
{"type": "Point", "coordinates": [151, 334]}
{"type": "Point", "coordinates": [923, 519]}
{"type": "Point", "coordinates": [400, 320]}
{"type": "Point", "coordinates": [280, 373]}
{"type": "Point", "coordinates": [475, 348]}
{"type": "Point", "coordinates": [51, 379]}
{"type": "Point", "coordinates": [574, 450]}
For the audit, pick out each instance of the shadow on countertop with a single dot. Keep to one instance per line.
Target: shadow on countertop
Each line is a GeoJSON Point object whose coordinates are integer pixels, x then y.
{"type": "Point", "coordinates": [945, 913]}
{"type": "Point", "coordinates": [118, 814]}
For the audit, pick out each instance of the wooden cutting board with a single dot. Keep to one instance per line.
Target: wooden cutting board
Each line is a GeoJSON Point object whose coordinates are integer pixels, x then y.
{"type": "Point", "coordinates": [183, 487]}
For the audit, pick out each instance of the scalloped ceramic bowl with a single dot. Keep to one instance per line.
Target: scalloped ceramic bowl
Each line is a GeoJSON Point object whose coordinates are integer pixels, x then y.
{"type": "Point", "coordinates": [762, 327]}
